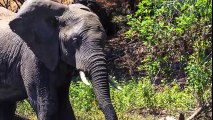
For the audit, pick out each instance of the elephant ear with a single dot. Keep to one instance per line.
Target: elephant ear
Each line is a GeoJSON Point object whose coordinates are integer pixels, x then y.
{"type": "Point", "coordinates": [36, 24]}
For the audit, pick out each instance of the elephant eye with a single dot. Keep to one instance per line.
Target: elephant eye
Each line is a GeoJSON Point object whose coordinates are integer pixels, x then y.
{"type": "Point", "coordinates": [76, 42]}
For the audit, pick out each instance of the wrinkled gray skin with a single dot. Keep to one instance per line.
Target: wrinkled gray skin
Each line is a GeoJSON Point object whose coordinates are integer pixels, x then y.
{"type": "Point", "coordinates": [6, 107]}
{"type": "Point", "coordinates": [39, 47]}
{"type": "Point", "coordinates": [5, 17]}
{"type": "Point", "coordinates": [10, 94]}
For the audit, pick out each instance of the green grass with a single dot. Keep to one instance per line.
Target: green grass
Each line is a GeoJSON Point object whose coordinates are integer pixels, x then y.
{"type": "Point", "coordinates": [24, 109]}
{"type": "Point", "coordinates": [135, 100]}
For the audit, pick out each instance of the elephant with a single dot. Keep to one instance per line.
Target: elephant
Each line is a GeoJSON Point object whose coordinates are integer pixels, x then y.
{"type": "Point", "coordinates": [5, 16]}
{"type": "Point", "coordinates": [39, 47]}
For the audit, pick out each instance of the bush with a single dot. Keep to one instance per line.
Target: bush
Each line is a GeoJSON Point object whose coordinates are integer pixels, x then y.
{"type": "Point", "coordinates": [169, 29]}
{"type": "Point", "coordinates": [177, 36]}
{"type": "Point", "coordinates": [24, 109]}
{"type": "Point", "coordinates": [82, 96]}
{"type": "Point", "coordinates": [199, 71]}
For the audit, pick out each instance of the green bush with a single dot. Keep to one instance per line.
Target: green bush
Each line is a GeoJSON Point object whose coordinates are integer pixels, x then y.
{"type": "Point", "coordinates": [168, 29]}
{"type": "Point", "coordinates": [176, 33]}
{"type": "Point", "coordinates": [82, 96]}
{"type": "Point", "coordinates": [199, 71]}
{"type": "Point", "coordinates": [145, 95]}
{"type": "Point", "coordinates": [173, 98]}
{"type": "Point", "coordinates": [24, 109]}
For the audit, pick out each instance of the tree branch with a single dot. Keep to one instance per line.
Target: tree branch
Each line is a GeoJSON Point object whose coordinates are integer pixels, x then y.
{"type": "Point", "coordinates": [1, 5]}
{"type": "Point", "coordinates": [197, 112]}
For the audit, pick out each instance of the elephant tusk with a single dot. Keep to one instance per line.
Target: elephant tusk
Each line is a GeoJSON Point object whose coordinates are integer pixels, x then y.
{"type": "Point", "coordinates": [85, 81]}
{"type": "Point", "coordinates": [83, 78]}
{"type": "Point", "coordinates": [114, 84]}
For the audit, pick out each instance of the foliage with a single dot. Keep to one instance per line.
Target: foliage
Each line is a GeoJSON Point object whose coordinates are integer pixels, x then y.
{"type": "Point", "coordinates": [134, 95]}
{"type": "Point", "coordinates": [83, 97]}
{"type": "Point", "coordinates": [177, 36]}
{"type": "Point", "coordinates": [145, 94]}
{"type": "Point", "coordinates": [167, 29]}
{"type": "Point", "coordinates": [173, 98]}
{"type": "Point", "coordinates": [199, 71]}
{"type": "Point", "coordinates": [24, 109]}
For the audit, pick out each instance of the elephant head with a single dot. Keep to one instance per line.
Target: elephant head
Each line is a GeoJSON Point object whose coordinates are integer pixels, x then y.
{"type": "Point", "coordinates": [72, 34]}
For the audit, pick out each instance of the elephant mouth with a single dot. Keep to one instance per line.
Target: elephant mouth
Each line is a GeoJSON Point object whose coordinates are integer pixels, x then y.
{"type": "Point", "coordinates": [85, 81]}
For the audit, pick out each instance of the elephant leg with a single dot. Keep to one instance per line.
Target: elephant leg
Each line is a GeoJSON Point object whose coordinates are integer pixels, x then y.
{"type": "Point", "coordinates": [41, 90]}
{"type": "Point", "coordinates": [7, 110]}
{"type": "Point", "coordinates": [65, 108]}
{"type": "Point", "coordinates": [43, 103]}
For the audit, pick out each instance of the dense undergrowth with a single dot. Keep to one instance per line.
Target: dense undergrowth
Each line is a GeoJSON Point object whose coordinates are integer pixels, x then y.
{"type": "Point", "coordinates": [137, 100]}
{"type": "Point", "coordinates": [178, 41]}
{"type": "Point", "coordinates": [167, 52]}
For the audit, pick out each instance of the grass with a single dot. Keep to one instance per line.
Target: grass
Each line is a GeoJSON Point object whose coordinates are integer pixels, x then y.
{"type": "Point", "coordinates": [137, 100]}
{"type": "Point", "coordinates": [24, 109]}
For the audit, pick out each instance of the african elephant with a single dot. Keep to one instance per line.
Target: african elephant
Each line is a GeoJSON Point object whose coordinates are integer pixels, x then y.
{"type": "Point", "coordinates": [40, 46]}
{"type": "Point", "coordinates": [5, 16]}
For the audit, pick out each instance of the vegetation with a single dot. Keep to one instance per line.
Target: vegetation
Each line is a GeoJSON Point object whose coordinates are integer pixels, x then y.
{"type": "Point", "coordinates": [176, 34]}
{"type": "Point", "coordinates": [136, 98]}
{"type": "Point", "coordinates": [174, 53]}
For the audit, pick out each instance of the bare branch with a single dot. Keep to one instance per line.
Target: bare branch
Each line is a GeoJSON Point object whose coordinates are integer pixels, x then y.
{"type": "Point", "coordinates": [197, 112]}
{"type": "Point", "coordinates": [1, 5]}
{"type": "Point", "coordinates": [21, 1]}
{"type": "Point", "coordinates": [5, 4]}
{"type": "Point", "coordinates": [17, 5]}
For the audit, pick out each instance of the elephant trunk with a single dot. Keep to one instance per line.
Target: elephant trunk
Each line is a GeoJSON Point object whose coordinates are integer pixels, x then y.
{"type": "Point", "coordinates": [99, 77]}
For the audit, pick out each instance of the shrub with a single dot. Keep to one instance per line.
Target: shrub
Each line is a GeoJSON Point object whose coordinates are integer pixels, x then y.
{"type": "Point", "coordinates": [177, 36]}
{"type": "Point", "coordinates": [199, 71]}
{"type": "Point", "coordinates": [168, 29]}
